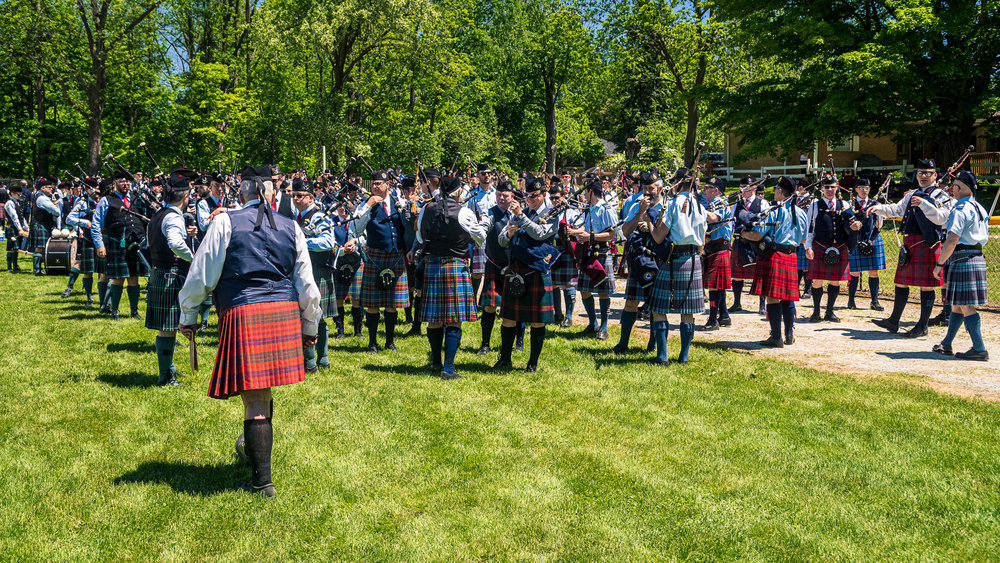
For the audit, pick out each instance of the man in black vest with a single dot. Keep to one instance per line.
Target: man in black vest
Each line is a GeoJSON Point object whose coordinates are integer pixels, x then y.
{"type": "Point", "coordinates": [116, 219]}
{"type": "Point", "coordinates": [447, 229]}
{"type": "Point", "coordinates": [170, 250]}
{"type": "Point", "coordinates": [495, 222]}
{"type": "Point", "coordinates": [45, 216]}
{"type": "Point", "coordinates": [831, 221]}
{"type": "Point", "coordinates": [15, 227]}
{"type": "Point", "coordinates": [747, 207]}
{"type": "Point", "coordinates": [321, 246]}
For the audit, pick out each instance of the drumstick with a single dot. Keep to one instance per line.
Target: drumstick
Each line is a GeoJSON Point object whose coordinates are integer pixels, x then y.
{"type": "Point", "coordinates": [193, 355]}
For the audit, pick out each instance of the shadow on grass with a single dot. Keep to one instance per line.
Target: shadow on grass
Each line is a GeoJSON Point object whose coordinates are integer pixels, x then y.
{"type": "Point", "coordinates": [81, 316]}
{"type": "Point", "coordinates": [187, 478]}
{"type": "Point", "coordinates": [607, 357]}
{"type": "Point", "coordinates": [424, 370]}
{"type": "Point", "coordinates": [131, 380]}
{"type": "Point", "coordinates": [137, 346]}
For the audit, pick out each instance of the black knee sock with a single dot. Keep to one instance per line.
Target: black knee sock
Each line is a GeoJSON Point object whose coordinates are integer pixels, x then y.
{"type": "Point", "coordinates": [487, 322]}
{"type": "Point", "coordinates": [339, 321]}
{"type": "Point", "coordinates": [520, 332]}
{"type": "Point", "coordinates": [133, 298]}
{"type": "Point", "coordinates": [417, 302]}
{"type": "Point", "coordinates": [926, 308]}
{"type": "Point", "coordinates": [88, 286]}
{"type": "Point", "coordinates": [774, 319]}
{"type": "Point", "coordinates": [436, 337]}
{"type": "Point", "coordinates": [357, 316]}
{"type": "Point", "coordinates": [832, 292]}
{"type": "Point", "coordinates": [817, 295]}
{"type": "Point", "coordinates": [946, 310]}
{"type": "Point", "coordinates": [723, 308]}
{"type": "Point", "coordinates": [873, 288]}
{"type": "Point", "coordinates": [390, 327]}
{"type": "Point", "coordinates": [476, 282]}
{"type": "Point", "coordinates": [899, 303]}
{"type": "Point", "coordinates": [408, 313]}
{"type": "Point", "coordinates": [507, 334]}
{"type": "Point", "coordinates": [371, 321]}
{"type": "Point", "coordinates": [102, 291]}
{"type": "Point", "coordinates": [788, 315]}
{"type": "Point", "coordinates": [852, 289]}
{"type": "Point", "coordinates": [537, 340]}
{"type": "Point", "coordinates": [737, 292]}
{"type": "Point", "coordinates": [713, 306]}
{"type": "Point", "coordinates": [259, 437]}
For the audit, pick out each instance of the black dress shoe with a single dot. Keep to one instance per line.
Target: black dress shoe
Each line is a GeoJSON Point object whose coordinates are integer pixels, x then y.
{"type": "Point", "coordinates": [942, 349]}
{"type": "Point", "coordinates": [711, 326]}
{"type": "Point", "coordinates": [975, 355]}
{"type": "Point", "coordinates": [265, 490]}
{"type": "Point", "coordinates": [203, 326]}
{"type": "Point", "coordinates": [886, 324]}
{"type": "Point", "coordinates": [483, 350]}
{"type": "Point", "coordinates": [566, 323]}
{"type": "Point", "coordinates": [104, 310]}
{"type": "Point", "coordinates": [852, 305]}
{"type": "Point", "coordinates": [436, 368]}
{"type": "Point", "coordinates": [939, 320]}
{"type": "Point", "coordinates": [657, 362]}
{"type": "Point", "coordinates": [558, 319]}
{"type": "Point", "coordinates": [726, 322]}
{"type": "Point", "coordinates": [503, 364]}
{"type": "Point", "coordinates": [66, 292]}
{"type": "Point", "coordinates": [831, 317]}
{"type": "Point", "coordinates": [373, 349]}
{"type": "Point", "coordinates": [174, 372]}
{"type": "Point", "coordinates": [762, 312]}
{"type": "Point", "coordinates": [312, 369]}
{"type": "Point", "coordinates": [340, 336]}
{"type": "Point", "coordinates": [789, 339]}
{"type": "Point", "coordinates": [519, 345]}
{"type": "Point", "coordinates": [916, 332]}
{"type": "Point", "coordinates": [530, 368]}
{"type": "Point", "coordinates": [876, 306]}
{"type": "Point", "coordinates": [135, 315]}
{"type": "Point", "coordinates": [602, 335]}
{"type": "Point", "coordinates": [450, 375]}
{"type": "Point", "coordinates": [115, 317]}
{"type": "Point", "coordinates": [90, 301]}
{"type": "Point", "coordinates": [772, 342]}
{"type": "Point", "coordinates": [390, 346]}
{"type": "Point", "coordinates": [589, 330]}
{"type": "Point", "coordinates": [735, 309]}
{"type": "Point", "coordinates": [815, 318]}
{"type": "Point", "coordinates": [620, 350]}
{"type": "Point", "coordinates": [172, 382]}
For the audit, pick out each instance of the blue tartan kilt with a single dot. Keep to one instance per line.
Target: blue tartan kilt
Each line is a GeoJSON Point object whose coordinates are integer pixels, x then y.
{"type": "Point", "coordinates": [478, 254]}
{"type": "Point", "coordinates": [355, 290]}
{"type": "Point", "coordinates": [965, 279]}
{"type": "Point", "coordinates": [374, 296]}
{"type": "Point", "coordinates": [678, 289]}
{"type": "Point", "coordinates": [447, 292]}
{"type": "Point", "coordinates": [564, 272]}
{"type": "Point", "coordinates": [535, 305]}
{"type": "Point", "coordinates": [634, 290]}
{"type": "Point", "coordinates": [876, 261]}
{"type": "Point", "coordinates": [119, 265]}
{"type": "Point", "coordinates": [85, 254]}
{"type": "Point", "coordinates": [492, 289]}
{"type": "Point", "coordinates": [606, 287]}
{"type": "Point", "coordinates": [327, 291]}
{"type": "Point", "coordinates": [38, 235]}
{"type": "Point", "coordinates": [802, 263]}
{"type": "Point", "coordinates": [163, 307]}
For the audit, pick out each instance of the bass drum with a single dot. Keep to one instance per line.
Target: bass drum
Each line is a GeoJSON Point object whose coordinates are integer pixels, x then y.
{"type": "Point", "coordinates": [59, 253]}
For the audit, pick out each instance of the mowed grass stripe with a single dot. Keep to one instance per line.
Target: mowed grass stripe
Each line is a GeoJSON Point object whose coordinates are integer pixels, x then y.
{"type": "Point", "coordinates": [595, 456]}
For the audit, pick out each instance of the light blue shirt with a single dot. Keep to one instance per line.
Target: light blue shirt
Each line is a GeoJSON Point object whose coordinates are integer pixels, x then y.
{"type": "Point", "coordinates": [75, 218]}
{"type": "Point", "coordinates": [482, 201]}
{"type": "Point", "coordinates": [630, 202]}
{"type": "Point", "coordinates": [600, 218]}
{"type": "Point", "coordinates": [326, 240]}
{"type": "Point", "coordinates": [724, 231]}
{"type": "Point", "coordinates": [100, 212]}
{"type": "Point", "coordinates": [969, 221]}
{"type": "Point", "coordinates": [654, 211]}
{"type": "Point", "coordinates": [788, 231]}
{"type": "Point", "coordinates": [687, 226]}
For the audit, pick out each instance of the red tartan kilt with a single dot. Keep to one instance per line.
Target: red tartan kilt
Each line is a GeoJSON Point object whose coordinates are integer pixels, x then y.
{"type": "Point", "coordinates": [260, 346]}
{"type": "Point", "coordinates": [777, 277]}
{"type": "Point", "coordinates": [820, 270]}
{"type": "Point", "coordinates": [738, 270]}
{"type": "Point", "coordinates": [919, 271]}
{"type": "Point", "coordinates": [717, 270]}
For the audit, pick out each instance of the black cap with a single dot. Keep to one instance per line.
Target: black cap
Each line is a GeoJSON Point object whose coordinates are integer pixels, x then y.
{"type": "Point", "coordinates": [303, 186]}
{"type": "Point", "coordinates": [523, 175]}
{"type": "Point", "coordinates": [828, 180]}
{"type": "Point", "coordinates": [407, 182]}
{"type": "Point", "coordinates": [862, 183]}
{"type": "Point", "coordinates": [607, 178]}
{"type": "Point", "coordinates": [555, 180]}
{"type": "Point", "coordinates": [380, 176]}
{"type": "Point", "coordinates": [181, 178]}
{"type": "Point", "coordinates": [968, 178]}
{"type": "Point", "coordinates": [120, 175]}
{"type": "Point", "coordinates": [746, 181]}
{"type": "Point", "coordinates": [534, 185]}
{"type": "Point", "coordinates": [786, 185]}
{"type": "Point", "coordinates": [555, 189]}
{"type": "Point", "coordinates": [596, 186]}
{"type": "Point", "coordinates": [431, 173]}
{"type": "Point", "coordinates": [926, 164]}
{"type": "Point", "coordinates": [483, 167]}
{"type": "Point", "coordinates": [256, 171]}
{"type": "Point", "coordinates": [680, 174]}
{"type": "Point", "coordinates": [45, 181]}
{"type": "Point", "coordinates": [105, 183]}
{"type": "Point", "coordinates": [717, 183]}
{"type": "Point", "coordinates": [649, 178]}
{"type": "Point", "coordinates": [92, 182]}
{"type": "Point", "coordinates": [505, 187]}
{"type": "Point", "coordinates": [451, 183]}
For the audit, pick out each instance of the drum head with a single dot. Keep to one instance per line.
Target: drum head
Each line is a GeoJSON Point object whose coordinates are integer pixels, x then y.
{"type": "Point", "coordinates": [59, 253]}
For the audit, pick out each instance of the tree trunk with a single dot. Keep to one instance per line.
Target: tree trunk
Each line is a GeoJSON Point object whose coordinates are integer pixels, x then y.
{"type": "Point", "coordinates": [41, 142]}
{"type": "Point", "coordinates": [550, 125]}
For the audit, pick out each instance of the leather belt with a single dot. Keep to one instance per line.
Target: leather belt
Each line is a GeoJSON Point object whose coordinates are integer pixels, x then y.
{"type": "Point", "coordinates": [682, 249]}
{"type": "Point", "coordinates": [961, 247]}
{"type": "Point", "coordinates": [787, 248]}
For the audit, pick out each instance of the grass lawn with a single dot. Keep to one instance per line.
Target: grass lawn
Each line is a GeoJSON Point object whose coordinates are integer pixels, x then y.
{"type": "Point", "coordinates": [593, 457]}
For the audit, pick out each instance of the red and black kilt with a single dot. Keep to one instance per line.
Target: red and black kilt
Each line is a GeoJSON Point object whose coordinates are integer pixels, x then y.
{"type": "Point", "coordinates": [738, 271]}
{"type": "Point", "coordinates": [718, 267]}
{"type": "Point", "coordinates": [820, 270]}
{"type": "Point", "coordinates": [919, 271]}
{"type": "Point", "coordinates": [260, 346]}
{"type": "Point", "coordinates": [447, 293]}
{"type": "Point", "coordinates": [536, 305]}
{"type": "Point", "coordinates": [777, 277]}
{"type": "Point", "coordinates": [492, 289]}
{"type": "Point", "coordinates": [372, 295]}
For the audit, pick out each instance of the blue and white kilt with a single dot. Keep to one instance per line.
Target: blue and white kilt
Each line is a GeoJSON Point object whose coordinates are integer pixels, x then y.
{"type": "Point", "coordinates": [163, 307]}
{"type": "Point", "coordinates": [564, 272]}
{"type": "Point", "coordinates": [478, 254]}
{"type": "Point", "coordinates": [802, 263]}
{"type": "Point", "coordinates": [585, 285]}
{"type": "Point", "coordinates": [876, 261]}
{"type": "Point", "coordinates": [634, 290]}
{"type": "Point", "coordinates": [372, 295]}
{"type": "Point", "coordinates": [119, 265]}
{"type": "Point", "coordinates": [447, 293]}
{"type": "Point", "coordinates": [965, 279]}
{"type": "Point", "coordinates": [678, 289]}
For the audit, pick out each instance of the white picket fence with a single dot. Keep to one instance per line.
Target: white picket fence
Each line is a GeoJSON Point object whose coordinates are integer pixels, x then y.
{"type": "Point", "coordinates": [732, 174]}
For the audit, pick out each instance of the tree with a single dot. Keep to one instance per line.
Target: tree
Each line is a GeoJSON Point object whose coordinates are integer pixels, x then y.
{"type": "Point", "coordinates": [918, 70]}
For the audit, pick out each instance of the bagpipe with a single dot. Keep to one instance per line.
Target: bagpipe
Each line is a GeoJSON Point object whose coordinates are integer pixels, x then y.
{"type": "Point", "coordinates": [866, 236]}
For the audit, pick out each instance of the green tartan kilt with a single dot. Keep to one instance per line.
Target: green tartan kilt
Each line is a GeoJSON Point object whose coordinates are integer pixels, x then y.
{"type": "Point", "coordinates": [119, 265]}
{"type": "Point", "coordinates": [163, 307]}
{"type": "Point", "coordinates": [327, 291]}
{"type": "Point", "coordinates": [85, 254]}
{"type": "Point", "coordinates": [38, 235]}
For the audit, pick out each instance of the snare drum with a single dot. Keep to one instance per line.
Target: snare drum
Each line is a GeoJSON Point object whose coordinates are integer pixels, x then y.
{"type": "Point", "coordinates": [59, 253]}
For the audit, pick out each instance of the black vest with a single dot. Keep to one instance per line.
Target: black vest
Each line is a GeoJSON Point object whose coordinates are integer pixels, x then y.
{"type": "Point", "coordinates": [442, 232]}
{"type": "Point", "coordinates": [160, 254]}
{"type": "Point", "coordinates": [260, 261]}
{"type": "Point", "coordinates": [744, 214]}
{"type": "Point", "coordinates": [320, 259]}
{"type": "Point", "coordinates": [830, 226]}
{"type": "Point", "coordinates": [916, 223]}
{"type": "Point", "coordinates": [494, 251]}
{"type": "Point", "coordinates": [868, 222]}
{"type": "Point", "coordinates": [118, 223]}
{"type": "Point", "coordinates": [40, 216]}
